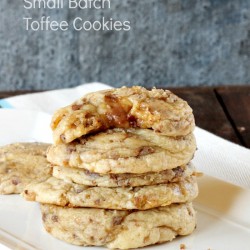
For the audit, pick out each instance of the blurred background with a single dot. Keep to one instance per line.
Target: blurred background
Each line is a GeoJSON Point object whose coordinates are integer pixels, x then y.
{"type": "Point", "coordinates": [171, 43]}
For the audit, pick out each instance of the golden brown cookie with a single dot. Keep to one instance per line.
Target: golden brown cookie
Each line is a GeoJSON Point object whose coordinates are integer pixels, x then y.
{"type": "Point", "coordinates": [124, 151]}
{"type": "Point", "coordinates": [118, 229]}
{"type": "Point", "coordinates": [58, 192]}
{"type": "Point", "coordinates": [133, 107]}
{"type": "Point", "coordinates": [85, 177]}
{"type": "Point", "coordinates": [21, 163]}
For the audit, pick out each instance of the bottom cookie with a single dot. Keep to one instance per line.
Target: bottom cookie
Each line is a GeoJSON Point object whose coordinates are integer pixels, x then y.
{"type": "Point", "coordinates": [118, 229]}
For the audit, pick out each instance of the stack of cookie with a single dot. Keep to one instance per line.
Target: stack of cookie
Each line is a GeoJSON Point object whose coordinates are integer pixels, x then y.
{"type": "Point", "coordinates": [122, 175]}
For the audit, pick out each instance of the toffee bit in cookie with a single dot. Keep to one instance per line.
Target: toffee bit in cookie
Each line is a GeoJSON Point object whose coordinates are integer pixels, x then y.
{"type": "Point", "coordinates": [44, 217]}
{"type": "Point", "coordinates": [117, 220]}
{"type": "Point", "coordinates": [16, 181]}
{"type": "Point", "coordinates": [91, 174]}
{"type": "Point", "coordinates": [132, 121]}
{"type": "Point", "coordinates": [146, 151]}
{"type": "Point", "coordinates": [97, 202]}
{"type": "Point", "coordinates": [63, 138]}
{"type": "Point", "coordinates": [178, 171]}
{"type": "Point", "coordinates": [54, 218]}
{"type": "Point", "coordinates": [76, 107]}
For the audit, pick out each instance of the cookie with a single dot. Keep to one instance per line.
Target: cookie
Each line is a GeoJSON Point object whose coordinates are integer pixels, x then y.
{"type": "Point", "coordinates": [85, 177]}
{"type": "Point", "coordinates": [20, 164]}
{"type": "Point", "coordinates": [118, 229]}
{"type": "Point", "coordinates": [134, 107]}
{"type": "Point", "coordinates": [124, 151]}
{"type": "Point", "coordinates": [58, 192]}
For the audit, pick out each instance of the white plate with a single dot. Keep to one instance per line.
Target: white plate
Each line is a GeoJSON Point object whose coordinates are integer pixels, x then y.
{"type": "Point", "coordinates": [24, 125]}
{"type": "Point", "coordinates": [223, 222]}
{"type": "Point", "coordinates": [223, 209]}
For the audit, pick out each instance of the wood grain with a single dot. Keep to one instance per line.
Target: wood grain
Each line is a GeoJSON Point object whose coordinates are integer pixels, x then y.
{"type": "Point", "coordinates": [236, 101]}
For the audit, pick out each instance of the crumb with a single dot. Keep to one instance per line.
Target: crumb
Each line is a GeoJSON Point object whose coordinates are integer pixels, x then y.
{"type": "Point", "coordinates": [182, 246]}
{"type": "Point", "coordinates": [241, 129]}
{"type": "Point", "coordinates": [198, 174]}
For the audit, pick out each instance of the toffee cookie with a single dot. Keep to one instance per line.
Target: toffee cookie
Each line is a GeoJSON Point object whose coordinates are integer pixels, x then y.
{"type": "Point", "coordinates": [134, 107]}
{"type": "Point", "coordinates": [124, 151]}
{"type": "Point", "coordinates": [21, 163]}
{"type": "Point", "coordinates": [85, 177]}
{"type": "Point", "coordinates": [118, 229]}
{"type": "Point", "coordinates": [58, 192]}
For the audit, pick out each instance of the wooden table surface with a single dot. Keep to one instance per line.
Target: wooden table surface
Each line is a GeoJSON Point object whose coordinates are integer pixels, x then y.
{"type": "Point", "coordinates": [224, 111]}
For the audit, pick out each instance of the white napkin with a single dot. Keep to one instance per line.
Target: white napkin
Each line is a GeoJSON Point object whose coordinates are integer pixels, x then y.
{"type": "Point", "coordinates": [215, 156]}
{"type": "Point", "coordinates": [222, 159]}
{"type": "Point", "coordinates": [50, 101]}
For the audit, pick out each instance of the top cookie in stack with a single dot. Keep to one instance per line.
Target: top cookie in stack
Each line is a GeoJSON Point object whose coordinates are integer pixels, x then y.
{"type": "Point", "coordinates": [135, 107]}
{"type": "Point", "coordinates": [121, 149]}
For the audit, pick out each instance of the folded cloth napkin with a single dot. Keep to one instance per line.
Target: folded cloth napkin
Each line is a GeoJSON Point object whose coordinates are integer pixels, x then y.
{"type": "Point", "coordinates": [49, 101]}
{"type": "Point", "coordinates": [215, 156]}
